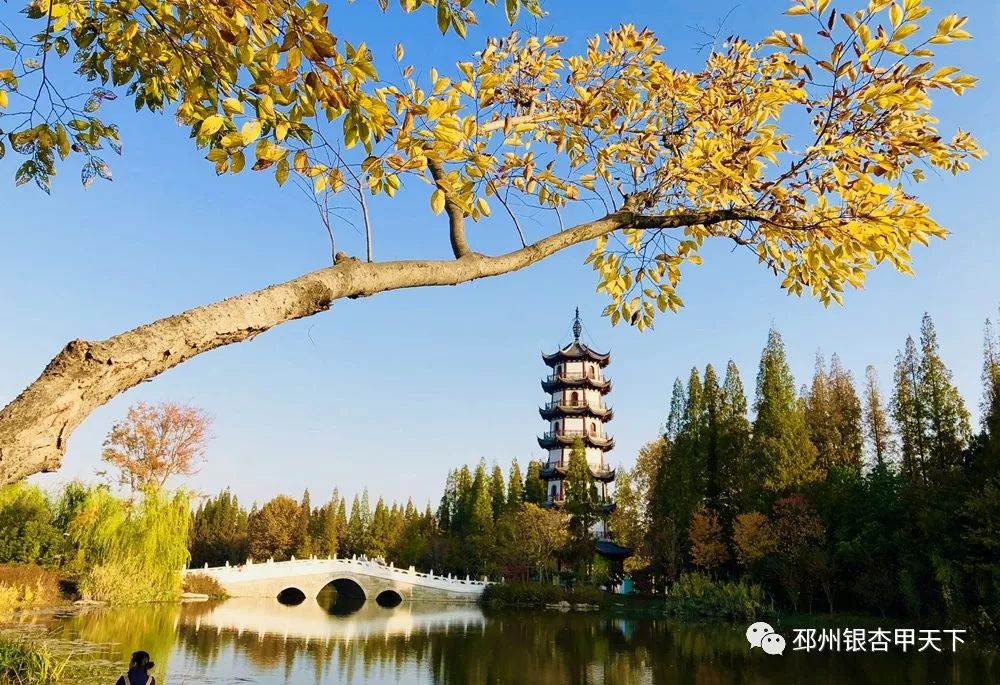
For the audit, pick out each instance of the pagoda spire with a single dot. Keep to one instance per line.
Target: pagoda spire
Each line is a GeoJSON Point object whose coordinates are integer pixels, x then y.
{"type": "Point", "coordinates": [577, 326]}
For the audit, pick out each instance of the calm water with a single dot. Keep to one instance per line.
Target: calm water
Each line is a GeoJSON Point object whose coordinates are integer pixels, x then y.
{"type": "Point", "coordinates": [262, 641]}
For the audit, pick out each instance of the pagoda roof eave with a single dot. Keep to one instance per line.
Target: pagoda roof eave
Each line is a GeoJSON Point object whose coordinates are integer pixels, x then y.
{"type": "Point", "coordinates": [577, 351]}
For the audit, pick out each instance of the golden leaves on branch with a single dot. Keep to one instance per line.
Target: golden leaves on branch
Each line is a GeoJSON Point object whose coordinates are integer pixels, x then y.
{"type": "Point", "coordinates": [523, 121]}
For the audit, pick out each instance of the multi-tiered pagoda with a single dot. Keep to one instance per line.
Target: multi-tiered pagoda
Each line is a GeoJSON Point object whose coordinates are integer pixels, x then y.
{"type": "Point", "coordinates": [576, 410]}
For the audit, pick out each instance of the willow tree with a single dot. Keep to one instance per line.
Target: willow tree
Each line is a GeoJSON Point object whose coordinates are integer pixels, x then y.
{"type": "Point", "coordinates": [674, 157]}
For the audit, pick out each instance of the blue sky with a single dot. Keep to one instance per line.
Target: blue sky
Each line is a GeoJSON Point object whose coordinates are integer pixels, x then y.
{"type": "Point", "coordinates": [391, 391]}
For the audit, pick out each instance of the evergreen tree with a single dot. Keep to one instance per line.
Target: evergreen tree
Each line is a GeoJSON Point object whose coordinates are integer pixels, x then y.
{"type": "Point", "coordinates": [365, 510]}
{"type": "Point", "coordinates": [833, 415]}
{"type": "Point", "coordinates": [302, 539]}
{"type": "Point", "coordinates": [877, 430]}
{"type": "Point", "coordinates": [990, 439]}
{"type": "Point", "coordinates": [581, 505]}
{"type": "Point", "coordinates": [498, 492]}
{"type": "Point", "coordinates": [822, 428]}
{"type": "Point", "coordinates": [218, 531]}
{"type": "Point", "coordinates": [647, 462]}
{"type": "Point", "coordinates": [515, 486]}
{"type": "Point", "coordinates": [625, 523]}
{"type": "Point", "coordinates": [847, 416]}
{"type": "Point", "coordinates": [354, 540]}
{"type": "Point", "coordinates": [479, 538]}
{"type": "Point", "coordinates": [341, 526]}
{"type": "Point", "coordinates": [711, 436]}
{"type": "Point", "coordinates": [675, 418]}
{"type": "Point", "coordinates": [328, 538]}
{"type": "Point", "coordinates": [739, 482]}
{"type": "Point", "coordinates": [377, 539]}
{"type": "Point", "coordinates": [449, 500]}
{"type": "Point", "coordinates": [462, 510]}
{"type": "Point", "coordinates": [781, 441]}
{"type": "Point", "coordinates": [908, 411]}
{"type": "Point", "coordinates": [534, 488]}
{"type": "Point", "coordinates": [947, 426]}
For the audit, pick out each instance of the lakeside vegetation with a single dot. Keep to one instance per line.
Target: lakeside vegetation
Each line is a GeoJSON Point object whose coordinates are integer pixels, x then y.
{"type": "Point", "coordinates": [829, 499]}
{"type": "Point", "coordinates": [29, 662]}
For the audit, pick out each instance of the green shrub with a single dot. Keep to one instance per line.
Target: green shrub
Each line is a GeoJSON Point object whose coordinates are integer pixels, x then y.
{"type": "Point", "coordinates": [201, 584]}
{"type": "Point", "coordinates": [26, 519]}
{"type": "Point", "coordinates": [695, 595]}
{"type": "Point", "coordinates": [540, 594]}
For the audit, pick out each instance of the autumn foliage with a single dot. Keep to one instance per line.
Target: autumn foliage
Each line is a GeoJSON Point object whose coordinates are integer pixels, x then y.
{"type": "Point", "coordinates": [708, 544]}
{"type": "Point", "coordinates": [254, 81]}
{"type": "Point", "coordinates": [155, 443]}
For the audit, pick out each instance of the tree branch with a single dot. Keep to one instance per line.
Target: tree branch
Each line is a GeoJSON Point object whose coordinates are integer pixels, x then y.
{"type": "Point", "coordinates": [35, 427]}
{"type": "Point", "coordinates": [456, 217]}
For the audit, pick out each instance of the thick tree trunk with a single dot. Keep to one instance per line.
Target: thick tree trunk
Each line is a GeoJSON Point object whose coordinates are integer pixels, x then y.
{"type": "Point", "coordinates": [35, 427]}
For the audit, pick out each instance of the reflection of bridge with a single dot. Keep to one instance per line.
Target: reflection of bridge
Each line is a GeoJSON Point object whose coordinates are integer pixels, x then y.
{"type": "Point", "coordinates": [363, 578]}
{"type": "Point", "coordinates": [311, 621]}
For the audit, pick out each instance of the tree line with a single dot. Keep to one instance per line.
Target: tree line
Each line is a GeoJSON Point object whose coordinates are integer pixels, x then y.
{"type": "Point", "coordinates": [828, 494]}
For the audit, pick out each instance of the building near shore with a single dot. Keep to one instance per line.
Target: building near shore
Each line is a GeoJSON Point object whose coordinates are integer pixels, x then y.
{"type": "Point", "coordinates": [576, 410]}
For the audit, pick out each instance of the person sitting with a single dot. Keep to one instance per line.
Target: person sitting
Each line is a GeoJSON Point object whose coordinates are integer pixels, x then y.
{"type": "Point", "coordinates": [138, 671]}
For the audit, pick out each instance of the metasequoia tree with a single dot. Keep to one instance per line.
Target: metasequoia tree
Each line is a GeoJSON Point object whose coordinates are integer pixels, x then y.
{"type": "Point", "coordinates": [674, 157]}
{"type": "Point", "coordinates": [155, 443]}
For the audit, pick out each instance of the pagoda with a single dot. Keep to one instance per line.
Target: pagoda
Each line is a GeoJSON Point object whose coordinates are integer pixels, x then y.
{"type": "Point", "coordinates": [576, 410]}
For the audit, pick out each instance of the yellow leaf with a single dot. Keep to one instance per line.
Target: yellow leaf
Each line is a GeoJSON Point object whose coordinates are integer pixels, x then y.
{"type": "Point", "coordinates": [399, 51]}
{"type": "Point", "coordinates": [437, 201]}
{"type": "Point", "coordinates": [895, 15]}
{"type": "Point", "coordinates": [250, 132]}
{"type": "Point", "coordinates": [797, 10]}
{"type": "Point", "coordinates": [237, 162]}
{"type": "Point", "coordinates": [232, 106]}
{"type": "Point", "coordinates": [210, 125]}
{"type": "Point", "coordinates": [3, 99]}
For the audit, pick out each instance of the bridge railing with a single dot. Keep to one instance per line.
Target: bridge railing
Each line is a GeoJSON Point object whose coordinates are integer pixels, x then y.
{"type": "Point", "coordinates": [362, 564]}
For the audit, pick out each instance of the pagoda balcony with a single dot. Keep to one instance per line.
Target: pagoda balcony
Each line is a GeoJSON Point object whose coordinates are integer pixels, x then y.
{"type": "Point", "coordinates": [558, 381]}
{"type": "Point", "coordinates": [554, 439]}
{"type": "Point", "coordinates": [559, 408]}
{"type": "Point", "coordinates": [559, 472]}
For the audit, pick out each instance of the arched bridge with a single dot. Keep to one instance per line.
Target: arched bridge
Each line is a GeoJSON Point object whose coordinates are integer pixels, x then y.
{"type": "Point", "coordinates": [365, 578]}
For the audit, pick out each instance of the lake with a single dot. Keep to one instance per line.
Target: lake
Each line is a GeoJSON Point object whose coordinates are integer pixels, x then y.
{"type": "Point", "coordinates": [262, 641]}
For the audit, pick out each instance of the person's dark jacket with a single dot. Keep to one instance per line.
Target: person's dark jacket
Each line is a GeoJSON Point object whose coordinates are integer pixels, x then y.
{"type": "Point", "coordinates": [136, 676]}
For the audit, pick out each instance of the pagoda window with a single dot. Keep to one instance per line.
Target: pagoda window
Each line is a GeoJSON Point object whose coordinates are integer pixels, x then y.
{"type": "Point", "coordinates": [590, 371]}
{"type": "Point", "coordinates": [593, 428]}
{"type": "Point", "coordinates": [574, 398]}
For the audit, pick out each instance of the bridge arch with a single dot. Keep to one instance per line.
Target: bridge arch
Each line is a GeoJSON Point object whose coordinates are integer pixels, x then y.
{"type": "Point", "coordinates": [291, 596]}
{"type": "Point", "coordinates": [389, 598]}
{"type": "Point", "coordinates": [341, 595]}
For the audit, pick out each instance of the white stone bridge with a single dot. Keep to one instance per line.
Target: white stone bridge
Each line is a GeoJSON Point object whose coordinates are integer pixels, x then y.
{"type": "Point", "coordinates": [361, 578]}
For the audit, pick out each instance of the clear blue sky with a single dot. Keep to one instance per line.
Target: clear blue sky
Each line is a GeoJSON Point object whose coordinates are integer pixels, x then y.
{"type": "Point", "coordinates": [392, 391]}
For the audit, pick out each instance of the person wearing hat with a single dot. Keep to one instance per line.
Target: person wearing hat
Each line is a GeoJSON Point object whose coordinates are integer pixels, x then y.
{"type": "Point", "coordinates": [138, 671]}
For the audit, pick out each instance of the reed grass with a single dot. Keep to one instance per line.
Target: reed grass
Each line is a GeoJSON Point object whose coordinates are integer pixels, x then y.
{"type": "Point", "coordinates": [26, 662]}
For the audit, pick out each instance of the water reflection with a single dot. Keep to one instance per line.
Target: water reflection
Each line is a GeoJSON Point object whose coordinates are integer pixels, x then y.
{"type": "Point", "coordinates": [262, 641]}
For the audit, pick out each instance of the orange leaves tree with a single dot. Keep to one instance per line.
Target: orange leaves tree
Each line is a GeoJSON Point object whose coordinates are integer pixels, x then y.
{"type": "Point", "coordinates": [673, 157]}
{"type": "Point", "coordinates": [708, 542]}
{"type": "Point", "coordinates": [156, 443]}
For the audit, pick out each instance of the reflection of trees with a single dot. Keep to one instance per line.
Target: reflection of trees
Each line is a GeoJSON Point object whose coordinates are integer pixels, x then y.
{"type": "Point", "coordinates": [126, 629]}
{"type": "Point", "coordinates": [552, 647]}
{"type": "Point", "coordinates": [508, 647]}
